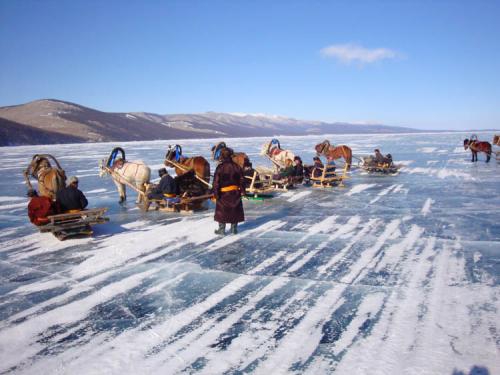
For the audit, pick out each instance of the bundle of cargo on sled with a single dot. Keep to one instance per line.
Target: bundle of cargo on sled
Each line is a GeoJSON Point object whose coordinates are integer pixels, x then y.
{"type": "Point", "coordinates": [387, 167]}
{"type": "Point", "coordinates": [74, 224]}
{"type": "Point", "coordinates": [328, 177]}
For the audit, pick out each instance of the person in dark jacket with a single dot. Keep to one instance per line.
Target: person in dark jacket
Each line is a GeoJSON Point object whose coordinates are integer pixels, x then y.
{"type": "Point", "coordinates": [39, 208]}
{"type": "Point", "coordinates": [70, 198]}
{"type": "Point", "coordinates": [167, 186]}
{"type": "Point", "coordinates": [228, 187]}
{"type": "Point", "coordinates": [317, 167]}
{"type": "Point", "coordinates": [379, 158]}
{"type": "Point", "coordinates": [298, 173]}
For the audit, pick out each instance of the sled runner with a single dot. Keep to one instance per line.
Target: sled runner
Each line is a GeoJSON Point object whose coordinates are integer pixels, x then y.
{"type": "Point", "coordinates": [179, 204]}
{"type": "Point", "coordinates": [76, 224]}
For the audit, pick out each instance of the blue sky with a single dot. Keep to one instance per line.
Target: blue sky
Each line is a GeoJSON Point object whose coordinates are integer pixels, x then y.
{"type": "Point", "coordinates": [425, 64]}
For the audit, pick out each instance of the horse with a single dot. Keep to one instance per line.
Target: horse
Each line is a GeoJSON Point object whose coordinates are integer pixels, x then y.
{"type": "Point", "coordinates": [476, 146]}
{"type": "Point", "coordinates": [277, 155]}
{"type": "Point", "coordinates": [50, 179]}
{"type": "Point", "coordinates": [239, 158]}
{"type": "Point", "coordinates": [123, 172]}
{"type": "Point", "coordinates": [182, 165]}
{"type": "Point", "coordinates": [332, 152]}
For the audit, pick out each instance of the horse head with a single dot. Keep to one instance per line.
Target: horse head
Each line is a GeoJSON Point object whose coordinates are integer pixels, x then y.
{"type": "Point", "coordinates": [322, 147]}
{"type": "Point", "coordinates": [174, 153]}
{"type": "Point", "coordinates": [217, 149]}
{"type": "Point", "coordinates": [265, 148]}
{"type": "Point", "coordinates": [103, 171]}
{"type": "Point", "coordinates": [466, 143]}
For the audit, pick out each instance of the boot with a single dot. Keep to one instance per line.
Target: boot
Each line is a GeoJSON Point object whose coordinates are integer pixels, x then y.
{"type": "Point", "coordinates": [234, 228]}
{"type": "Point", "coordinates": [222, 229]}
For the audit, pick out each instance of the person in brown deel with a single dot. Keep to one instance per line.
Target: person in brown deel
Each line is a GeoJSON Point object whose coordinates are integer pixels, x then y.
{"type": "Point", "coordinates": [39, 208]}
{"type": "Point", "coordinates": [229, 187]}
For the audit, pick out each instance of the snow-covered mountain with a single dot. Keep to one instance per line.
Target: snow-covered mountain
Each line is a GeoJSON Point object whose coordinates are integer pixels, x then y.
{"type": "Point", "coordinates": [63, 122]}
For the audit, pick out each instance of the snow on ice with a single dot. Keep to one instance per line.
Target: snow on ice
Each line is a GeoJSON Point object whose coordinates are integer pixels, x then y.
{"type": "Point", "coordinates": [389, 275]}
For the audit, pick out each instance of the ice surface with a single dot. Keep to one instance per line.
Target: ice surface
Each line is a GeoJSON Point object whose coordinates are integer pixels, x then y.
{"type": "Point", "coordinates": [389, 275]}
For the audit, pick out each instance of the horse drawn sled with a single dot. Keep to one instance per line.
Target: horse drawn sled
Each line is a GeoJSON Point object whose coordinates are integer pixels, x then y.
{"type": "Point", "coordinates": [326, 175]}
{"type": "Point", "coordinates": [51, 179]}
{"type": "Point", "coordinates": [191, 181]}
{"type": "Point", "coordinates": [282, 176]}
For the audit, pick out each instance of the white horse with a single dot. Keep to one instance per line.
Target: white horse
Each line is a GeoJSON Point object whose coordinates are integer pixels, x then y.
{"type": "Point", "coordinates": [136, 174]}
{"type": "Point", "coordinates": [277, 155]}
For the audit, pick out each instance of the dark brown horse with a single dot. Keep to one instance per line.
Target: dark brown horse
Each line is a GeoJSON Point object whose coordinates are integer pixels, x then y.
{"type": "Point", "coordinates": [198, 164]}
{"type": "Point", "coordinates": [50, 179]}
{"type": "Point", "coordinates": [476, 146]}
{"type": "Point", "coordinates": [332, 152]}
{"type": "Point", "coordinates": [239, 158]}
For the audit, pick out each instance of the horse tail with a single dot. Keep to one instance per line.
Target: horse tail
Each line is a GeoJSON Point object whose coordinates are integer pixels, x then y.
{"type": "Point", "coordinates": [206, 171]}
{"type": "Point", "coordinates": [348, 157]}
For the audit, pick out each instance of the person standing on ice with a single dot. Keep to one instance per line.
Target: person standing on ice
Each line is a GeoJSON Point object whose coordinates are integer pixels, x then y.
{"type": "Point", "coordinates": [228, 187]}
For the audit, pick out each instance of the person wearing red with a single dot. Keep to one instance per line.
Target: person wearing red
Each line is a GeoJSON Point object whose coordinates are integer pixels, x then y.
{"type": "Point", "coordinates": [39, 208]}
{"type": "Point", "coordinates": [228, 187]}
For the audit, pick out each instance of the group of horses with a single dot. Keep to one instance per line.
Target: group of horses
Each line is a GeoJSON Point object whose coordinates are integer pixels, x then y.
{"type": "Point", "coordinates": [193, 173]}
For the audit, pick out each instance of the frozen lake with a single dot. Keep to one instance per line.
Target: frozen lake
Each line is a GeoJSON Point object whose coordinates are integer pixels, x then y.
{"type": "Point", "coordinates": [389, 275]}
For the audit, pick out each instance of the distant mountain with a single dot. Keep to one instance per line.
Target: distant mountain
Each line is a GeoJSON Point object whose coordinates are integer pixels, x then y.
{"type": "Point", "coordinates": [56, 121]}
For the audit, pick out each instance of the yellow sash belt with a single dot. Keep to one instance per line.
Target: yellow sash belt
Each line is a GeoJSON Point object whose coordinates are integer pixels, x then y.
{"type": "Point", "coordinates": [169, 195]}
{"type": "Point", "coordinates": [229, 188]}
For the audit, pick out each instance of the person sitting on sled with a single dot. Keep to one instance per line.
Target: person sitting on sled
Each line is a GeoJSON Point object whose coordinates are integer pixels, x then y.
{"type": "Point", "coordinates": [167, 187]}
{"type": "Point", "coordinates": [70, 199]}
{"type": "Point", "coordinates": [330, 166]}
{"type": "Point", "coordinates": [381, 159]}
{"type": "Point", "coordinates": [317, 167]}
{"type": "Point", "coordinates": [298, 170]}
{"type": "Point", "coordinates": [39, 208]}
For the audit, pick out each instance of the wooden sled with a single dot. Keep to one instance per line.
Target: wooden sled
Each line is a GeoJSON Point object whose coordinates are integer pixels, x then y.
{"type": "Point", "coordinates": [76, 224]}
{"type": "Point", "coordinates": [329, 178]}
{"type": "Point", "coordinates": [383, 169]}
{"type": "Point", "coordinates": [186, 205]}
{"type": "Point", "coordinates": [262, 183]}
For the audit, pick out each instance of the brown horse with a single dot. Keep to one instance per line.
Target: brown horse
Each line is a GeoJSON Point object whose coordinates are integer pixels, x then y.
{"type": "Point", "coordinates": [476, 146]}
{"type": "Point", "coordinates": [239, 158]}
{"type": "Point", "coordinates": [342, 151]}
{"type": "Point", "coordinates": [200, 165]}
{"type": "Point", "coordinates": [50, 179]}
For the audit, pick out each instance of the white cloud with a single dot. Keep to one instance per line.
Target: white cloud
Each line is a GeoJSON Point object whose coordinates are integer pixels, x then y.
{"type": "Point", "coordinates": [352, 53]}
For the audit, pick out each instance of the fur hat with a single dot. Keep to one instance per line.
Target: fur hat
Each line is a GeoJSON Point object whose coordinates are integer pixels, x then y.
{"type": "Point", "coordinates": [32, 193]}
{"type": "Point", "coordinates": [162, 171]}
{"type": "Point", "coordinates": [226, 153]}
{"type": "Point", "coordinates": [72, 180]}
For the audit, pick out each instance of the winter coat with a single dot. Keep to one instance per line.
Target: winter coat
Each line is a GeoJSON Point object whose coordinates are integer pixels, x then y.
{"type": "Point", "coordinates": [167, 185]}
{"type": "Point", "coordinates": [38, 210]}
{"type": "Point", "coordinates": [70, 198]}
{"type": "Point", "coordinates": [229, 207]}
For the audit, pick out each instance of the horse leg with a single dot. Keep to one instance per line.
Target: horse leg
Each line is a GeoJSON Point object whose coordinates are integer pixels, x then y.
{"type": "Point", "coordinates": [488, 155]}
{"type": "Point", "coordinates": [121, 191]}
{"type": "Point", "coordinates": [140, 187]}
